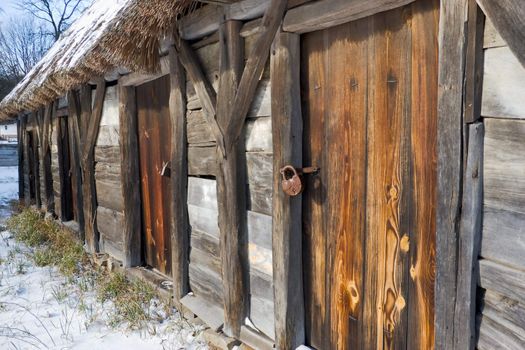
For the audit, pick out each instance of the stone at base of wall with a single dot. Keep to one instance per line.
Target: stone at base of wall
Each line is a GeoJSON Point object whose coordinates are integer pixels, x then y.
{"type": "Point", "coordinates": [219, 341]}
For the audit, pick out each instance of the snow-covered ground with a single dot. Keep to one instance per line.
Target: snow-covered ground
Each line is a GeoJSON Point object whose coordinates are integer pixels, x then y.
{"type": "Point", "coordinates": [41, 309]}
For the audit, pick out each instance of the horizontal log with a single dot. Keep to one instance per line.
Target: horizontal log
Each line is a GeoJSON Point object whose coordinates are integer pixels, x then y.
{"type": "Point", "coordinates": [205, 243]}
{"type": "Point", "coordinates": [510, 310]}
{"type": "Point", "coordinates": [502, 279]}
{"type": "Point", "coordinates": [491, 37]}
{"type": "Point", "coordinates": [323, 14]}
{"type": "Point", "coordinates": [198, 129]}
{"type": "Point", "coordinates": [210, 313]}
{"type": "Point", "coordinates": [258, 135]}
{"type": "Point", "coordinates": [260, 169]}
{"type": "Point", "coordinates": [202, 193]}
{"type": "Point", "coordinates": [493, 335]}
{"type": "Point", "coordinates": [202, 161]}
{"type": "Point", "coordinates": [206, 283]}
{"type": "Point", "coordinates": [109, 194]}
{"type": "Point", "coordinates": [108, 136]}
{"type": "Point", "coordinates": [110, 223]}
{"type": "Point", "coordinates": [107, 154]}
{"type": "Point", "coordinates": [204, 219]}
{"type": "Point", "coordinates": [503, 88]}
{"type": "Point", "coordinates": [259, 199]}
{"type": "Point", "coordinates": [261, 285]}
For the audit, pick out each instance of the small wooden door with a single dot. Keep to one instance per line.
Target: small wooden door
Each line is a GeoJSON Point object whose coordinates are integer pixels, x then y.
{"type": "Point", "coordinates": [154, 130]}
{"type": "Point", "coordinates": [370, 107]}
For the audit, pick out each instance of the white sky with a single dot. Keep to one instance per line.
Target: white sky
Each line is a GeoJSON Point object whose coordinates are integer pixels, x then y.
{"type": "Point", "coordinates": [10, 9]}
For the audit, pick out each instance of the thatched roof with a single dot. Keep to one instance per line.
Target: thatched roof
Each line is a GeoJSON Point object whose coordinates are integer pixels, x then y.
{"type": "Point", "coordinates": [111, 33]}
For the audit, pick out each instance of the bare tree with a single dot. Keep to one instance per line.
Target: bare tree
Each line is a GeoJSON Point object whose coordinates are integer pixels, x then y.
{"type": "Point", "coordinates": [22, 45]}
{"type": "Point", "coordinates": [57, 13]}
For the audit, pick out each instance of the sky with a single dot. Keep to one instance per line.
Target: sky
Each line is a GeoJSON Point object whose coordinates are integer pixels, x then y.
{"type": "Point", "coordinates": [10, 10]}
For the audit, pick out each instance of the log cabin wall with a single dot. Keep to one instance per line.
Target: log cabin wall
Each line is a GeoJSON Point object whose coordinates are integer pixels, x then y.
{"type": "Point", "coordinates": [501, 309]}
{"type": "Point", "coordinates": [108, 184]}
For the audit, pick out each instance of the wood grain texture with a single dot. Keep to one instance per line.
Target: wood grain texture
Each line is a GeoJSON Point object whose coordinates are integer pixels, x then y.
{"type": "Point", "coordinates": [75, 147]}
{"type": "Point", "coordinates": [286, 211]}
{"type": "Point", "coordinates": [155, 133]}
{"type": "Point", "coordinates": [179, 178]}
{"type": "Point", "coordinates": [469, 241]}
{"type": "Point", "coordinates": [507, 281]}
{"type": "Point", "coordinates": [329, 13]}
{"type": "Point", "coordinates": [231, 180]}
{"type": "Point", "coordinates": [491, 37]}
{"type": "Point", "coordinates": [503, 88]}
{"type": "Point", "coordinates": [369, 215]}
{"type": "Point", "coordinates": [507, 16]}
{"type": "Point", "coordinates": [129, 177]}
{"type": "Point", "coordinates": [449, 172]}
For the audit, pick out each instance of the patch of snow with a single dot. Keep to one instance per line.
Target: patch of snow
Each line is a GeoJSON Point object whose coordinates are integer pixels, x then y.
{"type": "Point", "coordinates": [42, 309]}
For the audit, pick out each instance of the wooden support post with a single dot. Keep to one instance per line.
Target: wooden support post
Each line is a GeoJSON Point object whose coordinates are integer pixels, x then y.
{"type": "Point", "coordinates": [46, 160]}
{"type": "Point", "coordinates": [231, 186]}
{"type": "Point", "coordinates": [469, 242]}
{"type": "Point", "coordinates": [253, 70]}
{"type": "Point", "coordinates": [450, 121]}
{"type": "Point", "coordinates": [63, 165]}
{"type": "Point", "coordinates": [130, 176]}
{"type": "Point", "coordinates": [21, 126]}
{"type": "Point", "coordinates": [74, 145]}
{"type": "Point", "coordinates": [287, 128]}
{"type": "Point", "coordinates": [89, 140]}
{"type": "Point", "coordinates": [35, 142]}
{"type": "Point", "coordinates": [179, 178]}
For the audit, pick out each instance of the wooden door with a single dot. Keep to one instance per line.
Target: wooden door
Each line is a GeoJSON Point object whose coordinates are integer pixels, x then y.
{"type": "Point", "coordinates": [370, 107]}
{"type": "Point", "coordinates": [154, 129]}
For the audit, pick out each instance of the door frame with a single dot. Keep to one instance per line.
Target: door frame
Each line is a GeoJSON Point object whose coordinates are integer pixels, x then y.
{"type": "Point", "coordinates": [287, 145]}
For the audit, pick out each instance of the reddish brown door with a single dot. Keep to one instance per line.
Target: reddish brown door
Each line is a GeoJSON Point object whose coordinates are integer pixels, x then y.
{"type": "Point", "coordinates": [154, 129]}
{"type": "Point", "coordinates": [370, 106]}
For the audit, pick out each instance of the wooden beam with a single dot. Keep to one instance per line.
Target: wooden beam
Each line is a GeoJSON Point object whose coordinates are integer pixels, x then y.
{"type": "Point", "coordinates": [253, 70]}
{"type": "Point", "coordinates": [202, 87]}
{"type": "Point", "coordinates": [75, 147]}
{"type": "Point", "coordinates": [63, 165]}
{"type": "Point", "coordinates": [287, 130]}
{"type": "Point", "coordinates": [21, 126]}
{"type": "Point", "coordinates": [474, 62]}
{"type": "Point", "coordinates": [450, 119]}
{"type": "Point", "coordinates": [130, 176]}
{"type": "Point", "coordinates": [92, 123]}
{"type": "Point", "coordinates": [469, 242]}
{"type": "Point", "coordinates": [36, 156]}
{"type": "Point", "coordinates": [508, 18]}
{"type": "Point", "coordinates": [231, 186]}
{"type": "Point", "coordinates": [323, 14]}
{"type": "Point", "coordinates": [179, 178]}
{"type": "Point", "coordinates": [46, 157]}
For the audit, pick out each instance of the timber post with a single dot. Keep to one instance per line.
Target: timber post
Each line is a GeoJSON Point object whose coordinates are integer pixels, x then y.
{"type": "Point", "coordinates": [287, 129]}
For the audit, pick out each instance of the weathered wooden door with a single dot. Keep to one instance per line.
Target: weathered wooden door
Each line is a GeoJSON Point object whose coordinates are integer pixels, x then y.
{"type": "Point", "coordinates": [154, 129]}
{"type": "Point", "coordinates": [370, 107]}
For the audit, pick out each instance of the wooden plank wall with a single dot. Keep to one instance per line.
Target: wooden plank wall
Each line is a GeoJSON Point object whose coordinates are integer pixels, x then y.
{"type": "Point", "coordinates": [110, 210]}
{"type": "Point", "coordinates": [502, 266]}
{"type": "Point", "coordinates": [55, 171]}
{"type": "Point", "coordinates": [204, 267]}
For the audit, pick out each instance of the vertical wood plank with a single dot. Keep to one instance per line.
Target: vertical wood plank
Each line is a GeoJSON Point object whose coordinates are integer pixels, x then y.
{"type": "Point", "coordinates": [35, 154]}
{"type": "Point", "coordinates": [63, 166]}
{"type": "Point", "coordinates": [450, 117]}
{"type": "Point", "coordinates": [474, 62]}
{"type": "Point", "coordinates": [469, 242]}
{"type": "Point", "coordinates": [231, 175]}
{"type": "Point", "coordinates": [287, 131]}
{"type": "Point", "coordinates": [130, 176]}
{"type": "Point", "coordinates": [179, 178]}
{"type": "Point", "coordinates": [48, 177]}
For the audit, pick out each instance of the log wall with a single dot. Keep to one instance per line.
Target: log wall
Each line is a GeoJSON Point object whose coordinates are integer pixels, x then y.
{"type": "Point", "coordinates": [502, 266]}
{"type": "Point", "coordinates": [110, 210]}
{"type": "Point", "coordinates": [205, 263]}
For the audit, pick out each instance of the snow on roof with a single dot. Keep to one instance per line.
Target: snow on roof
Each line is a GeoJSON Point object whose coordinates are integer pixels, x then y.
{"type": "Point", "coordinates": [109, 34]}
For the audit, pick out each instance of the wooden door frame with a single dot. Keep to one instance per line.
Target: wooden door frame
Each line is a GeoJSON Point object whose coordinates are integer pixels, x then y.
{"type": "Point", "coordinates": [287, 146]}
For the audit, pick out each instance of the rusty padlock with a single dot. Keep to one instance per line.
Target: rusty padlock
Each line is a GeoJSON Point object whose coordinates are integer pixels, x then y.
{"type": "Point", "coordinates": [291, 182]}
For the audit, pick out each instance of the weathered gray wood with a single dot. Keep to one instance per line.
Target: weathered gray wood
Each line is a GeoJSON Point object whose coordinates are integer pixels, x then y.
{"type": "Point", "coordinates": [261, 285]}
{"type": "Point", "coordinates": [205, 243]}
{"type": "Point", "coordinates": [254, 68]}
{"type": "Point", "coordinates": [203, 88]}
{"type": "Point", "coordinates": [179, 178]}
{"type": "Point", "coordinates": [199, 132]}
{"type": "Point", "coordinates": [502, 279]}
{"type": "Point", "coordinates": [507, 16]}
{"type": "Point", "coordinates": [109, 193]}
{"type": "Point", "coordinates": [469, 241]}
{"type": "Point", "coordinates": [450, 118]}
{"type": "Point", "coordinates": [260, 229]}
{"type": "Point", "coordinates": [499, 318]}
{"type": "Point", "coordinates": [502, 232]}
{"type": "Point", "coordinates": [108, 155]}
{"type": "Point", "coordinates": [503, 88]}
{"type": "Point", "coordinates": [494, 336]}
{"type": "Point", "coordinates": [135, 78]}
{"type": "Point", "coordinates": [261, 314]}
{"type": "Point", "coordinates": [206, 283]}
{"type": "Point", "coordinates": [474, 63]}
{"type": "Point", "coordinates": [202, 193]}
{"type": "Point", "coordinates": [286, 229]}
{"type": "Point", "coordinates": [204, 219]}
{"type": "Point", "coordinates": [260, 169]}
{"type": "Point", "coordinates": [255, 339]}
{"type": "Point", "coordinates": [260, 259]}
{"type": "Point", "coordinates": [258, 135]}
{"type": "Point", "coordinates": [130, 177]}
{"type": "Point", "coordinates": [491, 36]}
{"type": "Point", "coordinates": [110, 223]}
{"type": "Point", "coordinates": [328, 13]}
{"type": "Point", "coordinates": [259, 199]}
{"type": "Point", "coordinates": [210, 313]}
{"type": "Point", "coordinates": [231, 180]}
{"type": "Point", "coordinates": [202, 161]}
{"type": "Point", "coordinates": [76, 147]}
{"type": "Point", "coordinates": [510, 310]}
{"type": "Point", "coordinates": [108, 136]}
{"type": "Point", "coordinates": [20, 127]}
{"type": "Point", "coordinates": [504, 183]}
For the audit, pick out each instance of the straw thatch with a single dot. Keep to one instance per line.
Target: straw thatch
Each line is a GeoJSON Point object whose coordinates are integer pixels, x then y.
{"type": "Point", "coordinates": [111, 33]}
